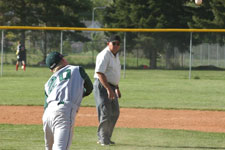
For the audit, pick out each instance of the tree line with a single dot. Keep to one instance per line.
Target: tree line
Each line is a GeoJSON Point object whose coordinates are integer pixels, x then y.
{"type": "Point", "coordinates": [121, 14]}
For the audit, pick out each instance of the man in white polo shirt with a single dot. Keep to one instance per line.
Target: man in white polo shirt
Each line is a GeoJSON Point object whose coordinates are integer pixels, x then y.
{"type": "Point", "coordinates": [106, 89]}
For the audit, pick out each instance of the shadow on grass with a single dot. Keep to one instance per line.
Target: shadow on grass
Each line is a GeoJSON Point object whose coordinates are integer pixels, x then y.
{"type": "Point", "coordinates": [172, 147]}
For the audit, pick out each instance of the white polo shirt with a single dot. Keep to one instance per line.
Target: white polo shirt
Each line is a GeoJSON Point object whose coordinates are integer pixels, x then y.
{"type": "Point", "coordinates": [108, 64]}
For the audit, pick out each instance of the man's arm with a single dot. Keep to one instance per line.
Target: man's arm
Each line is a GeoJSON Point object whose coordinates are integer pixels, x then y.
{"type": "Point", "coordinates": [46, 104]}
{"type": "Point", "coordinates": [88, 86]}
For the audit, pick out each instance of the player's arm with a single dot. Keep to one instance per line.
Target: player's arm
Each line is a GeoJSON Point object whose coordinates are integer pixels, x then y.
{"type": "Point", "coordinates": [46, 104]}
{"type": "Point", "coordinates": [102, 78]}
{"type": "Point", "coordinates": [17, 52]}
{"type": "Point", "coordinates": [88, 86]}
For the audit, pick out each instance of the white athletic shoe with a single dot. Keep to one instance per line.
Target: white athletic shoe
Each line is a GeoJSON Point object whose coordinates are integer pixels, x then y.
{"type": "Point", "coordinates": [103, 144]}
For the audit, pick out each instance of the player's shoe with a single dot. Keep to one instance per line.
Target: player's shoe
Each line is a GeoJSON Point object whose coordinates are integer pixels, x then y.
{"type": "Point", "coordinates": [111, 142]}
{"type": "Point", "coordinates": [103, 144]}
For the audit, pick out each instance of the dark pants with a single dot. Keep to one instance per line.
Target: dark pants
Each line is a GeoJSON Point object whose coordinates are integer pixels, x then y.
{"type": "Point", "coordinates": [108, 112]}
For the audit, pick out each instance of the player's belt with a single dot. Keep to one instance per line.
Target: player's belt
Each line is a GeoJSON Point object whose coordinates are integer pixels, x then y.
{"type": "Point", "coordinates": [108, 83]}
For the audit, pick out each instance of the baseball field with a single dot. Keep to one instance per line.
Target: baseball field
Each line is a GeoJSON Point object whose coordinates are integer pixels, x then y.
{"type": "Point", "coordinates": [160, 110]}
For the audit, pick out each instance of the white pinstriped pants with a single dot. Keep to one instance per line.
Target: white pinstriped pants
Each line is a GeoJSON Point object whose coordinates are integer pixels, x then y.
{"type": "Point", "coordinates": [58, 124]}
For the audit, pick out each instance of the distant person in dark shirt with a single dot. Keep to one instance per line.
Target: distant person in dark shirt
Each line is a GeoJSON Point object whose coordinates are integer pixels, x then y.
{"type": "Point", "coordinates": [21, 56]}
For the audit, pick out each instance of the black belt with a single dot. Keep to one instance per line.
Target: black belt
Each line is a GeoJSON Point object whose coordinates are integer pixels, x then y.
{"type": "Point", "coordinates": [109, 84]}
{"type": "Point", "coordinates": [114, 86]}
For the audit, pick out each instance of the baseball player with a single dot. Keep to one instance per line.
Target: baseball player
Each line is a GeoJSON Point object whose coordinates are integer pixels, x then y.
{"type": "Point", "coordinates": [106, 89]}
{"type": "Point", "coordinates": [63, 95]}
{"type": "Point", "coordinates": [21, 56]}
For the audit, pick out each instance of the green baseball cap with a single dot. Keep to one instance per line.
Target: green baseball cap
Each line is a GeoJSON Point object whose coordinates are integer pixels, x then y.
{"type": "Point", "coordinates": [53, 59]}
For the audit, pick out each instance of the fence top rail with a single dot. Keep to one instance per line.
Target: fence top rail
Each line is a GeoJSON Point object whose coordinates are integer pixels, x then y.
{"type": "Point", "coordinates": [109, 29]}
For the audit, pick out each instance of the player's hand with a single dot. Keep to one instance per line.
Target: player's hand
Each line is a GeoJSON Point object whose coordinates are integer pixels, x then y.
{"type": "Point", "coordinates": [111, 94]}
{"type": "Point", "coordinates": [78, 110]}
{"type": "Point", "coordinates": [118, 94]}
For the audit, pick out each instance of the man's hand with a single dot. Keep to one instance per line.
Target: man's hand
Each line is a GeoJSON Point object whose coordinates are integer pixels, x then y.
{"type": "Point", "coordinates": [111, 94]}
{"type": "Point", "coordinates": [118, 94]}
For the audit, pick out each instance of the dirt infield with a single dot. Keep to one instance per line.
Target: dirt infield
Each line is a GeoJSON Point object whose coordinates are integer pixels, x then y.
{"type": "Point", "coordinates": [207, 121]}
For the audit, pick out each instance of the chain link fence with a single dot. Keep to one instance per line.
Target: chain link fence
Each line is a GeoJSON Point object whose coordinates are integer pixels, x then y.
{"type": "Point", "coordinates": [164, 50]}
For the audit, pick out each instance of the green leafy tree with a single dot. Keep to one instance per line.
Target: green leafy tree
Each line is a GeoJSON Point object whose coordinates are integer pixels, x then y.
{"type": "Point", "coordinates": [65, 13]}
{"type": "Point", "coordinates": [150, 14]}
{"type": "Point", "coordinates": [18, 13]}
{"type": "Point", "coordinates": [101, 3]}
{"type": "Point", "coordinates": [218, 7]}
{"type": "Point", "coordinates": [210, 14]}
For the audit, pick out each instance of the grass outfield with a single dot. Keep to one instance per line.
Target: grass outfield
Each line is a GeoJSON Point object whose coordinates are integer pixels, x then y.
{"type": "Point", "coordinates": [30, 137]}
{"type": "Point", "coordinates": [166, 89]}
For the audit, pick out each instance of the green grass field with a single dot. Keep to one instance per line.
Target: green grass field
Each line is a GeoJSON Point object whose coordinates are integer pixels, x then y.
{"type": "Point", "coordinates": [165, 89]}
{"type": "Point", "coordinates": [30, 137]}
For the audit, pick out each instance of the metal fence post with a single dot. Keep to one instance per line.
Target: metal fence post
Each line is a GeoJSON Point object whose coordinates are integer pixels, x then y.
{"type": "Point", "coordinates": [190, 60]}
{"type": "Point", "coordinates": [2, 52]}
{"type": "Point", "coordinates": [61, 44]}
{"type": "Point", "coordinates": [124, 56]}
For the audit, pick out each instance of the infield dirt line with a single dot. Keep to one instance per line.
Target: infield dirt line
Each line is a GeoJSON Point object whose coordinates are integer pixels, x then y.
{"type": "Point", "coordinates": [206, 121]}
